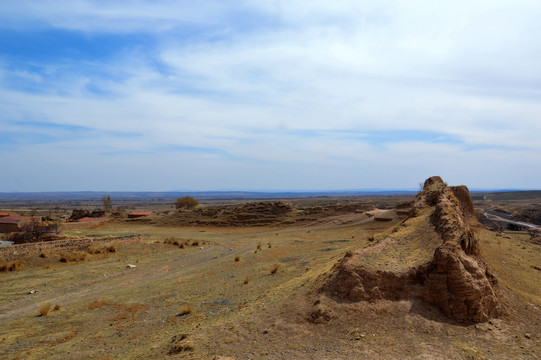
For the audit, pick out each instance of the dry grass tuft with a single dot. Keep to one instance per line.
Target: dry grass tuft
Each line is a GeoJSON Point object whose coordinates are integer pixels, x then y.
{"type": "Point", "coordinates": [172, 241]}
{"type": "Point", "coordinates": [259, 246]}
{"type": "Point", "coordinates": [121, 316]}
{"type": "Point", "coordinates": [73, 256]}
{"type": "Point", "coordinates": [237, 258]}
{"type": "Point", "coordinates": [111, 249]}
{"type": "Point", "coordinates": [246, 280]}
{"type": "Point", "coordinates": [186, 310]}
{"type": "Point", "coordinates": [95, 250]}
{"type": "Point", "coordinates": [11, 266]}
{"type": "Point", "coordinates": [44, 309]}
{"type": "Point", "coordinates": [195, 243]}
{"type": "Point", "coordinates": [56, 307]}
{"type": "Point", "coordinates": [43, 255]}
{"type": "Point", "coordinates": [269, 245]}
{"type": "Point", "coordinates": [97, 304]}
{"type": "Point", "coordinates": [274, 269]}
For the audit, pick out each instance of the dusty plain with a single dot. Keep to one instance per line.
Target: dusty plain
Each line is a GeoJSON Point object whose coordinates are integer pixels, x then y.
{"type": "Point", "coordinates": [246, 292]}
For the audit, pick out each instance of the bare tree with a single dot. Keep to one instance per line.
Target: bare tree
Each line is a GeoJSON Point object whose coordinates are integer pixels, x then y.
{"type": "Point", "coordinates": [33, 228]}
{"type": "Point", "coordinates": [106, 200]}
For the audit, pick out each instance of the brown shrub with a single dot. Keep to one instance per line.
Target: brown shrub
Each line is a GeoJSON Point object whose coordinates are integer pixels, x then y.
{"type": "Point", "coordinates": [172, 241]}
{"type": "Point", "coordinates": [237, 258]}
{"type": "Point", "coordinates": [121, 316]}
{"type": "Point", "coordinates": [95, 250]}
{"type": "Point", "coordinates": [97, 304]}
{"type": "Point", "coordinates": [43, 255]}
{"type": "Point", "coordinates": [246, 280]}
{"type": "Point", "coordinates": [56, 307]}
{"type": "Point", "coordinates": [136, 307]}
{"type": "Point", "coordinates": [195, 243]}
{"type": "Point", "coordinates": [269, 245]}
{"type": "Point", "coordinates": [44, 309]}
{"type": "Point", "coordinates": [259, 246]}
{"type": "Point", "coordinates": [73, 256]}
{"type": "Point", "coordinates": [186, 310]}
{"type": "Point", "coordinates": [11, 266]}
{"type": "Point", "coordinates": [274, 269]}
{"type": "Point", "coordinates": [111, 249]}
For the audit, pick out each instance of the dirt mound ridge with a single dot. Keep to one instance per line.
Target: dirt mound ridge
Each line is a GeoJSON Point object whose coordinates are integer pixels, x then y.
{"type": "Point", "coordinates": [434, 256]}
{"type": "Point", "coordinates": [259, 213]}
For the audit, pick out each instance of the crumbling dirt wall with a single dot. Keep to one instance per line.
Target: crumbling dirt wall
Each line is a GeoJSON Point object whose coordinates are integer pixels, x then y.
{"type": "Point", "coordinates": [20, 251]}
{"type": "Point", "coordinates": [456, 279]}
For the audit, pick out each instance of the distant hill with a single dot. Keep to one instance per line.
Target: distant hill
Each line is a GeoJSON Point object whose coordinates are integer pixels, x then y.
{"type": "Point", "coordinates": [142, 195]}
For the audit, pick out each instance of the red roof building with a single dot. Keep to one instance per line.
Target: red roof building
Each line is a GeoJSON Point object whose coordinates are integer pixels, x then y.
{"type": "Point", "coordinates": [11, 223]}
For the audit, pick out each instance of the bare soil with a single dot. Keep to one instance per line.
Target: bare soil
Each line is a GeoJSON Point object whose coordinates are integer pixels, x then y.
{"type": "Point", "coordinates": [240, 309]}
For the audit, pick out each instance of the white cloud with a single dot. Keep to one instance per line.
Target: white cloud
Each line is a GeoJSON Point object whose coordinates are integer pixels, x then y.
{"type": "Point", "coordinates": [252, 91]}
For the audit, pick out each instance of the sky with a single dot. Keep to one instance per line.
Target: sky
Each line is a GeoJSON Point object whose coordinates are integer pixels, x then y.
{"type": "Point", "coordinates": [269, 94]}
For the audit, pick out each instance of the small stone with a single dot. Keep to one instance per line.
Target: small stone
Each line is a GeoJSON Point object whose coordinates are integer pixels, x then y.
{"type": "Point", "coordinates": [489, 329]}
{"type": "Point", "coordinates": [33, 291]}
{"type": "Point", "coordinates": [527, 336]}
{"type": "Point", "coordinates": [130, 266]}
{"type": "Point", "coordinates": [477, 327]}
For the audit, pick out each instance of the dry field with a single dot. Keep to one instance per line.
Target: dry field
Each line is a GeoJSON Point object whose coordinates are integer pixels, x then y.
{"type": "Point", "coordinates": [201, 292]}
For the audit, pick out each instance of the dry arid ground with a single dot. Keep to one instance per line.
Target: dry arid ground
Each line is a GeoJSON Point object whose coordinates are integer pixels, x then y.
{"type": "Point", "coordinates": [254, 292]}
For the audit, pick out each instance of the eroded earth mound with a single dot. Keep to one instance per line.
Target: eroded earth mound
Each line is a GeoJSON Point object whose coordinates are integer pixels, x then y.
{"type": "Point", "coordinates": [432, 256]}
{"type": "Point", "coordinates": [259, 213]}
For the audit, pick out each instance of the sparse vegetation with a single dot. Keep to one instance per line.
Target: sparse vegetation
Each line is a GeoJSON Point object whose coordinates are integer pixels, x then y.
{"type": "Point", "coordinates": [44, 309]}
{"type": "Point", "coordinates": [73, 256]}
{"type": "Point", "coordinates": [259, 246]}
{"type": "Point", "coordinates": [106, 201]}
{"type": "Point", "coordinates": [186, 202]}
{"type": "Point", "coordinates": [246, 280]}
{"type": "Point", "coordinates": [96, 250]}
{"type": "Point", "coordinates": [57, 307]}
{"type": "Point", "coordinates": [195, 243]}
{"type": "Point", "coordinates": [274, 269]}
{"type": "Point", "coordinates": [11, 266]}
{"type": "Point", "coordinates": [237, 258]}
{"type": "Point", "coordinates": [185, 310]}
{"type": "Point", "coordinates": [97, 304]}
{"type": "Point", "coordinates": [172, 241]}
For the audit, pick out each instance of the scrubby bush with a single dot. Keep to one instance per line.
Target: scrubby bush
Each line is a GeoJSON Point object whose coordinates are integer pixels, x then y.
{"type": "Point", "coordinates": [73, 256]}
{"type": "Point", "coordinates": [44, 309]}
{"type": "Point", "coordinates": [186, 202]}
{"type": "Point", "coordinates": [11, 266]}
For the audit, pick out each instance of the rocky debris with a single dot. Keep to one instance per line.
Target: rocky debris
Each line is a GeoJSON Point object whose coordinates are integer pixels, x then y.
{"type": "Point", "coordinates": [455, 279]}
{"type": "Point", "coordinates": [33, 291]}
{"type": "Point", "coordinates": [130, 266]}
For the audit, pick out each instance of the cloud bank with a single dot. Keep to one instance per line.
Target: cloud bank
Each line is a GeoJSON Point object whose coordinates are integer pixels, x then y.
{"type": "Point", "coordinates": [268, 95]}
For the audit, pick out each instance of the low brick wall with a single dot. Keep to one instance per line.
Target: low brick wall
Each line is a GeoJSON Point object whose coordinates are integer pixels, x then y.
{"type": "Point", "coordinates": [20, 251]}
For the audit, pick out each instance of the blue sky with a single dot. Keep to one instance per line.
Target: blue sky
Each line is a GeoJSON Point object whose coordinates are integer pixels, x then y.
{"type": "Point", "coordinates": [269, 94]}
